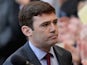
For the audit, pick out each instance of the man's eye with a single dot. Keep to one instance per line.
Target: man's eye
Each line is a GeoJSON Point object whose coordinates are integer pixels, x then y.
{"type": "Point", "coordinates": [55, 22]}
{"type": "Point", "coordinates": [45, 24]}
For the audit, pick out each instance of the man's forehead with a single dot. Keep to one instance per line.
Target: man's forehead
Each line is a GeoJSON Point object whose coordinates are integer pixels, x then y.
{"type": "Point", "coordinates": [45, 17]}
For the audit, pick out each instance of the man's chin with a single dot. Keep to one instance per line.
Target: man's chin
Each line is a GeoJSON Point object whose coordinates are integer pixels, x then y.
{"type": "Point", "coordinates": [53, 43]}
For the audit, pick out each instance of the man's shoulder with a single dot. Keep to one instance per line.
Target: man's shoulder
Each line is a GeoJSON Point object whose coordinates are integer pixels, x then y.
{"type": "Point", "coordinates": [19, 52]}
{"type": "Point", "coordinates": [8, 60]}
{"type": "Point", "coordinates": [61, 50]}
{"type": "Point", "coordinates": [63, 55]}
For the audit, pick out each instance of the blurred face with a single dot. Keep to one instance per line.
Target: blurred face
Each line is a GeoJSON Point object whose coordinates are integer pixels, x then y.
{"type": "Point", "coordinates": [62, 28]}
{"type": "Point", "coordinates": [60, 2]}
{"type": "Point", "coordinates": [22, 2]}
{"type": "Point", "coordinates": [74, 25]}
{"type": "Point", "coordinates": [62, 24]}
{"type": "Point", "coordinates": [80, 5]}
{"type": "Point", "coordinates": [45, 31]}
{"type": "Point", "coordinates": [68, 39]}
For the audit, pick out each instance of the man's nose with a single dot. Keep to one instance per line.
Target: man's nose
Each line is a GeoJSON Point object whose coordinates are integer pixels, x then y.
{"type": "Point", "coordinates": [53, 28]}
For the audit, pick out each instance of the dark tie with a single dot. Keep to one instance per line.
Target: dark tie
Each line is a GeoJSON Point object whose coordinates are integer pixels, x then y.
{"type": "Point", "coordinates": [47, 57]}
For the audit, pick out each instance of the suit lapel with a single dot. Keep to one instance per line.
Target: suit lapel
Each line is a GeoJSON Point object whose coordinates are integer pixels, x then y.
{"type": "Point", "coordinates": [64, 57]}
{"type": "Point", "coordinates": [59, 55]}
{"type": "Point", "coordinates": [30, 55]}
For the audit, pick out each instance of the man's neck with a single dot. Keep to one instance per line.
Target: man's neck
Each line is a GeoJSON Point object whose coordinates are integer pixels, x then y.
{"type": "Point", "coordinates": [44, 48]}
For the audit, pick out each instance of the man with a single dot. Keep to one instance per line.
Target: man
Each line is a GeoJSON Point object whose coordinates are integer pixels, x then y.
{"type": "Point", "coordinates": [39, 24]}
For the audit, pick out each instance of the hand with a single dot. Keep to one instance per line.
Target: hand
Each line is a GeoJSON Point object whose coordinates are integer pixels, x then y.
{"type": "Point", "coordinates": [84, 62]}
{"type": "Point", "coordinates": [75, 53]}
{"type": "Point", "coordinates": [83, 51]}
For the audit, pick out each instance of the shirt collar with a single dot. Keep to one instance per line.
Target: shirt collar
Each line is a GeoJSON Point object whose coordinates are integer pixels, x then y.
{"type": "Point", "coordinates": [40, 54]}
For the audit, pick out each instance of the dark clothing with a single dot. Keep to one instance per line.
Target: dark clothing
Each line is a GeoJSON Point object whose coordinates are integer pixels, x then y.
{"type": "Point", "coordinates": [70, 8]}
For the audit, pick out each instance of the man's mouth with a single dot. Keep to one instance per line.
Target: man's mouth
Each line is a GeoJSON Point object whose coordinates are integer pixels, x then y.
{"type": "Point", "coordinates": [54, 36]}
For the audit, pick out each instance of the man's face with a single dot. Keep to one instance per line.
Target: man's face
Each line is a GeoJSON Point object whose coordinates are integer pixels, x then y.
{"type": "Point", "coordinates": [45, 31]}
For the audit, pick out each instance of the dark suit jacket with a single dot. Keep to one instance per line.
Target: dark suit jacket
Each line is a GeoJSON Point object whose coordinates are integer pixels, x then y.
{"type": "Point", "coordinates": [63, 56]}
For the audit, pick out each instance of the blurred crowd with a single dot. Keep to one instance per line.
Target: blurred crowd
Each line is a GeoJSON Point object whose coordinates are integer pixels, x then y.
{"type": "Point", "coordinates": [72, 32]}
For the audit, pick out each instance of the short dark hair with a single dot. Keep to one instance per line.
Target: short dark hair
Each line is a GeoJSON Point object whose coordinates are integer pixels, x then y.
{"type": "Point", "coordinates": [34, 8]}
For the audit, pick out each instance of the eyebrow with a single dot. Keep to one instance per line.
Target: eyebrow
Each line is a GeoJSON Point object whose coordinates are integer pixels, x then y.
{"type": "Point", "coordinates": [49, 21]}
{"type": "Point", "coordinates": [55, 19]}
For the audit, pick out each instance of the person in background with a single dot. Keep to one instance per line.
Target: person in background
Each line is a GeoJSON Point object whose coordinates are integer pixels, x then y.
{"type": "Point", "coordinates": [62, 27]}
{"type": "Point", "coordinates": [70, 7]}
{"type": "Point", "coordinates": [24, 2]}
{"type": "Point", "coordinates": [11, 37]}
{"type": "Point", "coordinates": [38, 23]}
{"type": "Point", "coordinates": [74, 26]}
{"type": "Point", "coordinates": [10, 33]}
{"type": "Point", "coordinates": [84, 62]}
{"type": "Point", "coordinates": [61, 2]}
{"type": "Point", "coordinates": [68, 35]}
{"type": "Point", "coordinates": [83, 44]}
{"type": "Point", "coordinates": [61, 12]}
{"type": "Point", "coordinates": [69, 44]}
{"type": "Point", "coordinates": [81, 4]}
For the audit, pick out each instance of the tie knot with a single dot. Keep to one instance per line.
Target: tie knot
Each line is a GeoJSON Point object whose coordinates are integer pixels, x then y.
{"type": "Point", "coordinates": [47, 55]}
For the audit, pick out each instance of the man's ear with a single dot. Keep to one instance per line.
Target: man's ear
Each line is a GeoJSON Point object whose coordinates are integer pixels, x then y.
{"type": "Point", "coordinates": [27, 31]}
